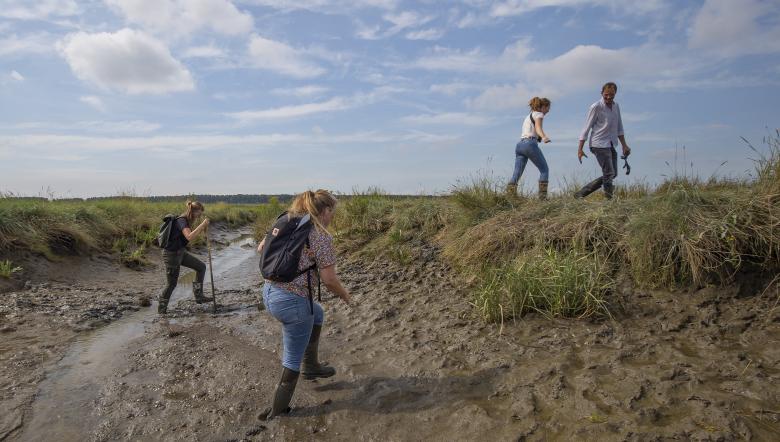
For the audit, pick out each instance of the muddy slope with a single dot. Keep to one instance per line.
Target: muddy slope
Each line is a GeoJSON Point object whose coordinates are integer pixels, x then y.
{"type": "Point", "coordinates": [414, 363]}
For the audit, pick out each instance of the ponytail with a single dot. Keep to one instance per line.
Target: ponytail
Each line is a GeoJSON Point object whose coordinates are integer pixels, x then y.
{"type": "Point", "coordinates": [313, 203]}
{"type": "Point", "coordinates": [536, 103]}
{"type": "Point", "coordinates": [192, 206]}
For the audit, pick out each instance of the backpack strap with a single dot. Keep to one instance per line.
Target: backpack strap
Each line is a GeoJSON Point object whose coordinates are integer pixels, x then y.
{"type": "Point", "coordinates": [533, 123]}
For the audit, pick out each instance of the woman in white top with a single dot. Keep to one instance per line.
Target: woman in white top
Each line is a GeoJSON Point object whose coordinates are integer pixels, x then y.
{"type": "Point", "coordinates": [528, 147]}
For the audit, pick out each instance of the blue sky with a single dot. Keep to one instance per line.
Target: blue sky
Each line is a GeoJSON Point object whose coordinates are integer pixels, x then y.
{"type": "Point", "coordinates": [275, 96]}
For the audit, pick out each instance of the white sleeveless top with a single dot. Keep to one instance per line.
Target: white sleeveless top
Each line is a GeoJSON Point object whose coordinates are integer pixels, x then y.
{"type": "Point", "coordinates": [529, 130]}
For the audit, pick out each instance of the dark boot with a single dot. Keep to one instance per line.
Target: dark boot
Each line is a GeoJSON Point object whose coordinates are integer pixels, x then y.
{"type": "Point", "coordinates": [283, 395]}
{"type": "Point", "coordinates": [589, 188]}
{"type": "Point", "coordinates": [543, 190]}
{"type": "Point", "coordinates": [511, 190]}
{"type": "Point", "coordinates": [609, 189]}
{"type": "Point", "coordinates": [311, 367]}
{"type": "Point", "coordinates": [197, 290]}
{"type": "Point", "coordinates": [162, 306]}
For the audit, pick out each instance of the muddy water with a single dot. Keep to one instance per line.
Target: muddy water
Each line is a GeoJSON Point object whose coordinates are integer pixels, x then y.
{"type": "Point", "coordinates": [63, 406]}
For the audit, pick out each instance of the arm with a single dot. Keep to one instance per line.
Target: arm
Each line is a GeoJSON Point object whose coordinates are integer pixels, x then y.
{"type": "Point", "coordinates": [539, 130]}
{"type": "Point", "coordinates": [192, 234]}
{"type": "Point", "coordinates": [590, 120]}
{"type": "Point", "coordinates": [333, 283]}
{"type": "Point", "coordinates": [621, 135]}
{"type": "Point", "coordinates": [260, 246]}
{"type": "Point", "coordinates": [626, 149]}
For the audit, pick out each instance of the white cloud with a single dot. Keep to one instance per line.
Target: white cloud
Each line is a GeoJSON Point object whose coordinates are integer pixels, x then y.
{"type": "Point", "coordinates": [426, 34]}
{"type": "Point", "coordinates": [509, 62]}
{"type": "Point", "coordinates": [16, 76]}
{"type": "Point", "coordinates": [326, 6]}
{"type": "Point", "coordinates": [300, 92]}
{"type": "Point", "coordinates": [38, 9]}
{"type": "Point", "coordinates": [733, 28]}
{"type": "Point", "coordinates": [127, 60]}
{"type": "Point", "coordinates": [295, 111]}
{"type": "Point", "coordinates": [451, 89]}
{"type": "Point", "coordinates": [508, 8]}
{"type": "Point", "coordinates": [209, 51]}
{"type": "Point", "coordinates": [278, 57]}
{"type": "Point", "coordinates": [183, 17]}
{"type": "Point", "coordinates": [30, 44]}
{"type": "Point", "coordinates": [447, 119]}
{"type": "Point", "coordinates": [502, 97]}
{"type": "Point", "coordinates": [303, 110]}
{"type": "Point", "coordinates": [93, 101]}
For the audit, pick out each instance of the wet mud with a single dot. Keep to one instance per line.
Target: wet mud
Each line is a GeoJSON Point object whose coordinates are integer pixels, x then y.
{"type": "Point", "coordinates": [413, 363]}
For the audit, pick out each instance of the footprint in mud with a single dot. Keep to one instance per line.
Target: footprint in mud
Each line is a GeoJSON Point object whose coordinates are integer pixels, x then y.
{"type": "Point", "coordinates": [383, 395]}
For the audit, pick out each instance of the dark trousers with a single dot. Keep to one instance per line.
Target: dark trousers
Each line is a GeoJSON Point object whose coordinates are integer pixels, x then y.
{"type": "Point", "coordinates": [173, 262]}
{"type": "Point", "coordinates": [608, 160]}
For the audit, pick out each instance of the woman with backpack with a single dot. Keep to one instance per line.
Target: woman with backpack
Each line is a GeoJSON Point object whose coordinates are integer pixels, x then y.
{"type": "Point", "coordinates": [528, 147]}
{"type": "Point", "coordinates": [292, 303]}
{"type": "Point", "coordinates": [175, 255]}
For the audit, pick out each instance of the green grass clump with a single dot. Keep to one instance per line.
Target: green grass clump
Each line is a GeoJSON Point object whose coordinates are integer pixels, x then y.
{"type": "Point", "coordinates": [546, 281]}
{"type": "Point", "coordinates": [7, 269]}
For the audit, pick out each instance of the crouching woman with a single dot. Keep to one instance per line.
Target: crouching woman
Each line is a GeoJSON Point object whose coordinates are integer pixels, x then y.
{"type": "Point", "coordinates": [176, 255]}
{"type": "Point", "coordinates": [292, 304]}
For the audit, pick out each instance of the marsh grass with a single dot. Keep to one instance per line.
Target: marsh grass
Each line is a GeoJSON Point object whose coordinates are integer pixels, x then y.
{"type": "Point", "coordinates": [124, 225]}
{"type": "Point", "coordinates": [546, 281]}
{"type": "Point", "coordinates": [561, 257]}
{"type": "Point", "coordinates": [7, 269]}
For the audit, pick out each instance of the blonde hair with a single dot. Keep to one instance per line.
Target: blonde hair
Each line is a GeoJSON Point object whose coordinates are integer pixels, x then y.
{"type": "Point", "coordinates": [313, 203]}
{"type": "Point", "coordinates": [536, 103]}
{"type": "Point", "coordinates": [192, 206]}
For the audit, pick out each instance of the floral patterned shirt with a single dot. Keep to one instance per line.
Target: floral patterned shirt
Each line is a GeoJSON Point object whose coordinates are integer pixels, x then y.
{"type": "Point", "coordinates": [321, 251]}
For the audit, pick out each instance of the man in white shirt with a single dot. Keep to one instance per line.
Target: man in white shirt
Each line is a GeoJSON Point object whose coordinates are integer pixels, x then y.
{"type": "Point", "coordinates": [606, 129]}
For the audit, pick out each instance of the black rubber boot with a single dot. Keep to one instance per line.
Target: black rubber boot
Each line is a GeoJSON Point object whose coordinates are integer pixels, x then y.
{"type": "Point", "coordinates": [162, 307]}
{"type": "Point", "coordinates": [311, 367]}
{"type": "Point", "coordinates": [543, 190]}
{"type": "Point", "coordinates": [283, 395]}
{"type": "Point", "coordinates": [197, 290]}
{"type": "Point", "coordinates": [589, 188]}
{"type": "Point", "coordinates": [609, 190]}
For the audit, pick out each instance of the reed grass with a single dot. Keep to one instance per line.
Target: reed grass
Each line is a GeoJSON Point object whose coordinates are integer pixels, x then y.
{"type": "Point", "coordinates": [123, 225]}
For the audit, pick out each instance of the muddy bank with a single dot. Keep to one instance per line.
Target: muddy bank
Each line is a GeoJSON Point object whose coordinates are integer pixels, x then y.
{"type": "Point", "coordinates": [55, 305]}
{"type": "Point", "coordinates": [415, 363]}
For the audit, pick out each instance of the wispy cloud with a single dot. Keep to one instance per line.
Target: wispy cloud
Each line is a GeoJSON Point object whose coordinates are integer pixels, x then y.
{"type": "Point", "coordinates": [447, 119]}
{"type": "Point", "coordinates": [281, 58]}
{"type": "Point", "coordinates": [94, 101]}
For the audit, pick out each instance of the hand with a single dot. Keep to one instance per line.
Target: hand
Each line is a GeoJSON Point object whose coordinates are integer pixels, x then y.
{"type": "Point", "coordinates": [545, 140]}
{"type": "Point", "coordinates": [626, 150]}
{"type": "Point", "coordinates": [260, 246]}
{"type": "Point", "coordinates": [205, 222]}
{"type": "Point", "coordinates": [346, 297]}
{"type": "Point", "coordinates": [580, 154]}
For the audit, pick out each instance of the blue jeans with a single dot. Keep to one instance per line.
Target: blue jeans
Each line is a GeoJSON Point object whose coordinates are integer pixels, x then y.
{"type": "Point", "coordinates": [295, 314]}
{"type": "Point", "coordinates": [529, 149]}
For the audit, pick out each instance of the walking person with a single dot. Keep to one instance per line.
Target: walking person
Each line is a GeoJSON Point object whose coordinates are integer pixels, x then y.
{"type": "Point", "coordinates": [606, 128]}
{"type": "Point", "coordinates": [175, 255]}
{"type": "Point", "coordinates": [528, 147]}
{"type": "Point", "coordinates": [292, 303]}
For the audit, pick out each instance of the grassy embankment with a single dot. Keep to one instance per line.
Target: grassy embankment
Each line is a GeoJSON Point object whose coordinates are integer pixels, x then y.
{"type": "Point", "coordinates": [125, 226]}
{"type": "Point", "coordinates": [563, 257]}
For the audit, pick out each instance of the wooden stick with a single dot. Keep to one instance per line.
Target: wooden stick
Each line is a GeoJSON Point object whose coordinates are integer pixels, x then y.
{"type": "Point", "coordinates": [211, 271]}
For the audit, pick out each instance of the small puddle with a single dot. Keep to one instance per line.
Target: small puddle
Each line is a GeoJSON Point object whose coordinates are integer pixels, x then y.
{"type": "Point", "coordinates": [63, 407]}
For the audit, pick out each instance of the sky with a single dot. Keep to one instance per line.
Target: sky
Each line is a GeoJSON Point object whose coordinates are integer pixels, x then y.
{"type": "Point", "coordinates": [165, 97]}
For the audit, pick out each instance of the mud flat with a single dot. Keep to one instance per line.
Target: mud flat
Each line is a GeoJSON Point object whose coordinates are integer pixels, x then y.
{"type": "Point", "coordinates": [413, 363]}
